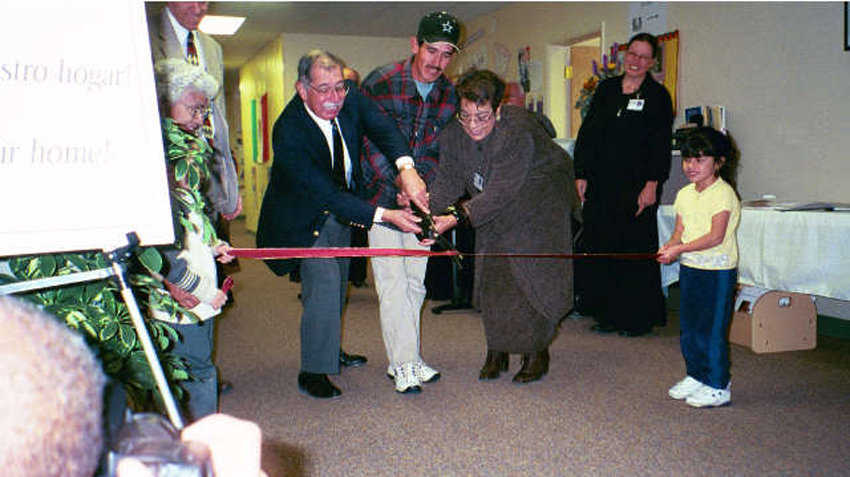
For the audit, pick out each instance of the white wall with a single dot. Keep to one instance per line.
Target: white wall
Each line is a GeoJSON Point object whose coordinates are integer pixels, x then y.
{"type": "Point", "coordinates": [781, 71]}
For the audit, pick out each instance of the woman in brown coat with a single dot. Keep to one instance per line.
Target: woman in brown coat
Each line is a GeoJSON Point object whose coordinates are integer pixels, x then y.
{"type": "Point", "coordinates": [522, 193]}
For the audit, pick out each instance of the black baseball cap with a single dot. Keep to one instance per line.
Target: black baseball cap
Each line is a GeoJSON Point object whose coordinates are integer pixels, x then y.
{"type": "Point", "coordinates": [439, 26]}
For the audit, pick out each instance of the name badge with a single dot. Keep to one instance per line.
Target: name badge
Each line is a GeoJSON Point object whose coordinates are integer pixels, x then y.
{"type": "Point", "coordinates": [478, 181]}
{"type": "Point", "coordinates": [635, 105]}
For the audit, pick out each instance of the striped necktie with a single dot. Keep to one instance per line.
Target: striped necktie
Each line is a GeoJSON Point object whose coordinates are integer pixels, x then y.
{"type": "Point", "coordinates": [192, 57]}
{"type": "Point", "coordinates": [191, 50]}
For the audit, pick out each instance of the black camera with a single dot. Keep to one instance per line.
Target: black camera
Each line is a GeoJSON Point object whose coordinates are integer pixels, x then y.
{"type": "Point", "coordinates": [153, 441]}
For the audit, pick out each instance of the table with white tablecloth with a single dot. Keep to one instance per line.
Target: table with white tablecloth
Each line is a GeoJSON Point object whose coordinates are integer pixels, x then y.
{"type": "Point", "coordinates": [798, 251]}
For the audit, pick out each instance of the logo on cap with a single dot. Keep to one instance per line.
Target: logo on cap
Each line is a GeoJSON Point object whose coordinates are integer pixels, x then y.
{"type": "Point", "coordinates": [439, 26]}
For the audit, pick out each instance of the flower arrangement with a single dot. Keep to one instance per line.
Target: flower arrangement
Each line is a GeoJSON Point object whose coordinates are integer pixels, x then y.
{"type": "Point", "coordinates": [611, 66]}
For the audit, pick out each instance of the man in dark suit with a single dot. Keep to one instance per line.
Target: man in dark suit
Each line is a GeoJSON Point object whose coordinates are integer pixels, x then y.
{"type": "Point", "coordinates": [312, 201]}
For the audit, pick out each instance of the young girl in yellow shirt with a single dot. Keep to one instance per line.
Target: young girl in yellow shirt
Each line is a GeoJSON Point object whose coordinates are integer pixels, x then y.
{"type": "Point", "coordinates": [707, 216]}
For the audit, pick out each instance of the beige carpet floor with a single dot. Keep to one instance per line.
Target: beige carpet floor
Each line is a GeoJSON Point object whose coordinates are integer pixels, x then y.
{"type": "Point", "coordinates": [601, 410]}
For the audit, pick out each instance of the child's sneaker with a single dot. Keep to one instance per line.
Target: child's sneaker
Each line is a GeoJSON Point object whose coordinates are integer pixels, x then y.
{"type": "Point", "coordinates": [707, 396]}
{"type": "Point", "coordinates": [684, 388]}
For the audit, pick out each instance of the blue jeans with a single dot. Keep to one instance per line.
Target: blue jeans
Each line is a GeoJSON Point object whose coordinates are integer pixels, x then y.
{"type": "Point", "coordinates": [705, 313]}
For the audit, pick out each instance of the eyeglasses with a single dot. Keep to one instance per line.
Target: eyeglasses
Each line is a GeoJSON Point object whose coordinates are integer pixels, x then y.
{"type": "Point", "coordinates": [639, 57]}
{"type": "Point", "coordinates": [202, 110]}
{"type": "Point", "coordinates": [466, 118]}
{"type": "Point", "coordinates": [324, 90]}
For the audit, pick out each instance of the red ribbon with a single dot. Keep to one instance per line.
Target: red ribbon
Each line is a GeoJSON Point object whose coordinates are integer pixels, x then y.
{"type": "Point", "coordinates": [337, 252]}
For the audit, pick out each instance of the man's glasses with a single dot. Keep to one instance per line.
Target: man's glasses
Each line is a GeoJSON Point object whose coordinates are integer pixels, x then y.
{"type": "Point", "coordinates": [466, 118]}
{"type": "Point", "coordinates": [324, 90]}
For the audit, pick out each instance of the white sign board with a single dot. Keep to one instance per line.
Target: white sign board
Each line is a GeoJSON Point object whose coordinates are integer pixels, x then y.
{"type": "Point", "coordinates": [81, 156]}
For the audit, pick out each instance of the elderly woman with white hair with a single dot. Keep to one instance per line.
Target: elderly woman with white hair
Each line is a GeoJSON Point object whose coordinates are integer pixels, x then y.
{"type": "Point", "coordinates": [189, 271]}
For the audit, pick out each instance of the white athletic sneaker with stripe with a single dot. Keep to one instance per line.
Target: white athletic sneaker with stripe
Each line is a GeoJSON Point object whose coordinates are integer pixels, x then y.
{"type": "Point", "coordinates": [684, 388]}
{"type": "Point", "coordinates": [425, 373]}
{"type": "Point", "coordinates": [405, 379]}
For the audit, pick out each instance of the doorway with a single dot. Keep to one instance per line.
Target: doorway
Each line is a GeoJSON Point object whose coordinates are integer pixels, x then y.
{"type": "Point", "coordinates": [582, 54]}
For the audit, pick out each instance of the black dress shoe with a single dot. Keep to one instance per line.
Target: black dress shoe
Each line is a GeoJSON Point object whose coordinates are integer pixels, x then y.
{"type": "Point", "coordinates": [351, 360]}
{"type": "Point", "coordinates": [317, 385]}
{"type": "Point", "coordinates": [534, 366]}
{"type": "Point", "coordinates": [603, 328]}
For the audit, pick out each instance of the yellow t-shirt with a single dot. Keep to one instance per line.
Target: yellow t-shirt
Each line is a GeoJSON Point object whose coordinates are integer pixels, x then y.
{"type": "Point", "coordinates": [696, 210]}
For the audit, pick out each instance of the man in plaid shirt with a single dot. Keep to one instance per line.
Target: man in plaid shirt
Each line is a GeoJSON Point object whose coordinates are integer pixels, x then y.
{"type": "Point", "coordinates": [418, 96]}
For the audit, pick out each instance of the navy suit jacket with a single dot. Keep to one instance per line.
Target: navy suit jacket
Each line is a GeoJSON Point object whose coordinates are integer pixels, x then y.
{"type": "Point", "coordinates": [301, 194]}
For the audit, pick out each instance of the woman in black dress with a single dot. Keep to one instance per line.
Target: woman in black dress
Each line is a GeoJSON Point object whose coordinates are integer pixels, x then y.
{"type": "Point", "coordinates": [622, 157]}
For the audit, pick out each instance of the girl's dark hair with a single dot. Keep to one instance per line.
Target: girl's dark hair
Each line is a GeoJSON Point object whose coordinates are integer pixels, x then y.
{"type": "Point", "coordinates": [480, 87]}
{"type": "Point", "coordinates": [648, 38]}
{"type": "Point", "coordinates": [707, 141]}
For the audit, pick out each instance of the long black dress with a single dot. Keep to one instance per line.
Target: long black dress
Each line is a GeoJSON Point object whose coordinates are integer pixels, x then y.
{"type": "Point", "coordinates": [620, 146]}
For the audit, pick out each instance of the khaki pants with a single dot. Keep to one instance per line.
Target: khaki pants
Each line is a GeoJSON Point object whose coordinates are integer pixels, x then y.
{"type": "Point", "coordinates": [400, 283]}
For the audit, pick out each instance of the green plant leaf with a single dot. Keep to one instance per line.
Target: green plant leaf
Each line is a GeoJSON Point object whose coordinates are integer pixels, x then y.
{"type": "Point", "coordinates": [181, 167]}
{"type": "Point", "coordinates": [94, 291]}
{"type": "Point", "coordinates": [88, 328]}
{"type": "Point", "coordinates": [69, 295]}
{"type": "Point", "coordinates": [151, 259]}
{"type": "Point", "coordinates": [128, 335]}
{"type": "Point", "coordinates": [193, 178]}
{"type": "Point", "coordinates": [47, 265]}
{"type": "Point", "coordinates": [109, 330]}
{"type": "Point", "coordinates": [179, 375]}
{"type": "Point", "coordinates": [77, 261]}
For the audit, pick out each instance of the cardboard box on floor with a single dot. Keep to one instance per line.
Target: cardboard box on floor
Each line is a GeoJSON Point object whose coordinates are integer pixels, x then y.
{"type": "Point", "coordinates": [778, 321]}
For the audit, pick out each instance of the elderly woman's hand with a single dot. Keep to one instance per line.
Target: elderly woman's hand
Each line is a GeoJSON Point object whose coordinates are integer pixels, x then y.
{"type": "Point", "coordinates": [444, 223]}
{"type": "Point", "coordinates": [222, 253]}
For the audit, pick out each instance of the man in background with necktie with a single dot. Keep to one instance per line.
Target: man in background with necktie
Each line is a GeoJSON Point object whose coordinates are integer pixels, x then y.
{"type": "Point", "coordinates": [175, 35]}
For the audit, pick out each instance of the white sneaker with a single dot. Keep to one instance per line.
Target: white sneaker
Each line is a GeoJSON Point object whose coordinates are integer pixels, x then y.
{"type": "Point", "coordinates": [425, 373]}
{"type": "Point", "coordinates": [406, 380]}
{"type": "Point", "coordinates": [707, 396]}
{"type": "Point", "coordinates": [684, 388]}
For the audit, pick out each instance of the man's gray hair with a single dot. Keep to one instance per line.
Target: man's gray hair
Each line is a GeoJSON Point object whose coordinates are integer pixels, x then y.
{"type": "Point", "coordinates": [52, 399]}
{"type": "Point", "coordinates": [323, 58]}
{"type": "Point", "coordinates": [174, 76]}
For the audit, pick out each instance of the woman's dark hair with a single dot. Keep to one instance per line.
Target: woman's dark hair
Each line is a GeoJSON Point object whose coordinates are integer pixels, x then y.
{"type": "Point", "coordinates": [707, 141]}
{"type": "Point", "coordinates": [480, 87]}
{"type": "Point", "coordinates": [648, 38]}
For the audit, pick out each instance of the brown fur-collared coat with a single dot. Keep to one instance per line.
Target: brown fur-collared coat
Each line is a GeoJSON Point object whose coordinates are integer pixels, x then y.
{"type": "Point", "coordinates": [524, 203]}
